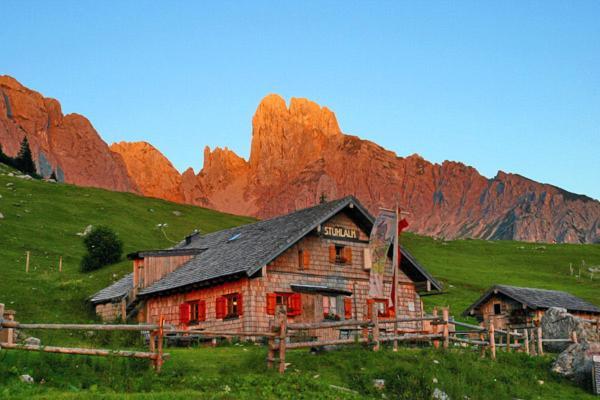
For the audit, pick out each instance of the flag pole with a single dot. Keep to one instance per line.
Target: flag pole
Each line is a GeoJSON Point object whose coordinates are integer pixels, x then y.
{"type": "Point", "coordinates": [396, 263]}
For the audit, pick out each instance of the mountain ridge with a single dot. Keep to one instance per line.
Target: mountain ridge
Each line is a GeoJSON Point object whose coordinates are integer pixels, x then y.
{"type": "Point", "coordinates": [299, 154]}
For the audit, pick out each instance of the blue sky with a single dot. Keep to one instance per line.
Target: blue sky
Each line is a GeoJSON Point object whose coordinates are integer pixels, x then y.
{"type": "Point", "coordinates": [512, 86]}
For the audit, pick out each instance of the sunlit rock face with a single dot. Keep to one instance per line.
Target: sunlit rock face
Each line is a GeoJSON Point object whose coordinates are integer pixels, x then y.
{"type": "Point", "coordinates": [299, 155]}
{"type": "Point", "coordinates": [66, 144]}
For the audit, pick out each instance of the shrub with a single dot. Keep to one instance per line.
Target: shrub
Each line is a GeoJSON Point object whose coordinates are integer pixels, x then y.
{"type": "Point", "coordinates": [103, 248]}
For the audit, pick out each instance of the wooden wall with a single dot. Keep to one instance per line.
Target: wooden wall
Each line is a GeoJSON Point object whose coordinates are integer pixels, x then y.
{"type": "Point", "coordinates": [279, 275]}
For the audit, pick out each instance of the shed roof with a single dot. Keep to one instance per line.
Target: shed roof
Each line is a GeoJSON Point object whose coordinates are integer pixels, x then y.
{"type": "Point", "coordinates": [117, 290]}
{"type": "Point", "coordinates": [536, 299]}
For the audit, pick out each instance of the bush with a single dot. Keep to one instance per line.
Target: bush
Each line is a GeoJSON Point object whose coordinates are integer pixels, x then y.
{"type": "Point", "coordinates": [103, 248]}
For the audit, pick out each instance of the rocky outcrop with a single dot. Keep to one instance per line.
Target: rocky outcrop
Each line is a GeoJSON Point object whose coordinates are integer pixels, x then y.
{"type": "Point", "coordinates": [150, 170]}
{"type": "Point", "coordinates": [67, 144]}
{"type": "Point", "coordinates": [299, 154]}
{"type": "Point", "coordinates": [557, 323]}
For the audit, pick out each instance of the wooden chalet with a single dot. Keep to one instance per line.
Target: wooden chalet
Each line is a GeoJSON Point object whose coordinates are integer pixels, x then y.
{"type": "Point", "coordinates": [316, 261]}
{"type": "Point", "coordinates": [516, 306]}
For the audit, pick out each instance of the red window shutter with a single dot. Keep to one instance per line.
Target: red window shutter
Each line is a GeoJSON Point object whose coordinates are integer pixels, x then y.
{"type": "Point", "coordinates": [221, 307]}
{"type": "Point", "coordinates": [370, 308]}
{"type": "Point", "coordinates": [348, 255]}
{"type": "Point", "coordinates": [240, 304]}
{"type": "Point", "coordinates": [305, 259]}
{"type": "Point", "coordinates": [202, 310]}
{"type": "Point", "coordinates": [184, 313]}
{"type": "Point", "coordinates": [347, 308]}
{"type": "Point", "coordinates": [332, 253]}
{"type": "Point", "coordinates": [295, 304]}
{"type": "Point", "coordinates": [271, 301]}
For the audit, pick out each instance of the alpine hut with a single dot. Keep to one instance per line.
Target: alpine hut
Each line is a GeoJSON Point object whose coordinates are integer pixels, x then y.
{"type": "Point", "coordinates": [316, 261]}
{"type": "Point", "coordinates": [511, 305]}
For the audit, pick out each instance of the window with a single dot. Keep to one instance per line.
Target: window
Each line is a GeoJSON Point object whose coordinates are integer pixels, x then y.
{"type": "Point", "coordinates": [292, 301]}
{"type": "Point", "coordinates": [303, 259]}
{"type": "Point", "coordinates": [340, 254]}
{"type": "Point", "coordinates": [198, 311]}
{"type": "Point", "coordinates": [330, 307]}
{"type": "Point", "coordinates": [497, 309]}
{"type": "Point", "coordinates": [229, 306]}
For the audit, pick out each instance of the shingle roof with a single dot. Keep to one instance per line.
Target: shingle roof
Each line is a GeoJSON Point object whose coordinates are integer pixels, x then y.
{"type": "Point", "coordinates": [246, 249]}
{"type": "Point", "coordinates": [115, 291]}
{"type": "Point", "coordinates": [538, 299]}
{"type": "Point", "coordinates": [242, 251]}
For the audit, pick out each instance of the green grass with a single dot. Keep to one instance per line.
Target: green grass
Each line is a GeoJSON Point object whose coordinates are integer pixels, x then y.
{"type": "Point", "coordinates": [468, 267]}
{"type": "Point", "coordinates": [239, 372]}
{"type": "Point", "coordinates": [43, 218]}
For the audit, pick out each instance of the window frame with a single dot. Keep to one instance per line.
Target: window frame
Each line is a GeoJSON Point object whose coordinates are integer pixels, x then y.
{"type": "Point", "coordinates": [229, 300]}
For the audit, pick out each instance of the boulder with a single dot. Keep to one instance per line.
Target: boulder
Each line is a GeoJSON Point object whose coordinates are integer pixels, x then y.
{"type": "Point", "coordinates": [1, 216]}
{"type": "Point", "coordinates": [557, 323]}
{"type": "Point", "coordinates": [33, 341]}
{"type": "Point", "coordinates": [26, 378]}
{"type": "Point", "coordinates": [576, 362]}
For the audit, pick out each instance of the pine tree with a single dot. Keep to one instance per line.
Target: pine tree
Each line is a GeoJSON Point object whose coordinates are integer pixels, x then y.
{"type": "Point", "coordinates": [53, 175]}
{"type": "Point", "coordinates": [24, 161]}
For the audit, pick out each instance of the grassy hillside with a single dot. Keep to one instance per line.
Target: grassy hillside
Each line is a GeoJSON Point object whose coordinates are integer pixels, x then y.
{"type": "Point", "coordinates": [239, 372]}
{"type": "Point", "coordinates": [468, 267]}
{"type": "Point", "coordinates": [44, 218]}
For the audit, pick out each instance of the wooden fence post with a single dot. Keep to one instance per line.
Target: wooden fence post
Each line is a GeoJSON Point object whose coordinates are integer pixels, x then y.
{"type": "Point", "coordinates": [60, 264]}
{"type": "Point", "coordinates": [446, 328]}
{"type": "Point", "coordinates": [526, 340]}
{"type": "Point", "coordinates": [27, 263]}
{"type": "Point", "coordinates": [507, 339]}
{"type": "Point", "coordinates": [123, 310]}
{"type": "Point", "coordinates": [282, 319]}
{"type": "Point", "coordinates": [491, 333]}
{"type": "Point", "coordinates": [482, 346]}
{"type": "Point", "coordinates": [375, 320]}
{"type": "Point", "coordinates": [540, 344]}
{"type": "Point", "coordinates": [159, 359]}
{"type": "Point", "coordinates": [435, 328]}
{"type": "Point", "coordinates": [574, 336]}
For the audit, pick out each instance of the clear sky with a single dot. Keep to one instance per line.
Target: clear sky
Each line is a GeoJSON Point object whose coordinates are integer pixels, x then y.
{"type": "Point", "coordinates": [512, 86]}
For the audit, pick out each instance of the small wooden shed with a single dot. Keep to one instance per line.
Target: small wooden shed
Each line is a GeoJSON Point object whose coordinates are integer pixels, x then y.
{"type": "Point", "coordinates": [515, 306]}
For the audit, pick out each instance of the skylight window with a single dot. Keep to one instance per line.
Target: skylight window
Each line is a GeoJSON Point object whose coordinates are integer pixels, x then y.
{"type": "Point", "coordinates": [234, 237]}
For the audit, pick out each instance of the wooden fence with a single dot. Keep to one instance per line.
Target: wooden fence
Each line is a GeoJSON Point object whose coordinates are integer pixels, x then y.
{"type": "Point", "coordinates": [279, 337]}
{"type": "Point", "coordinates": [156, 354]}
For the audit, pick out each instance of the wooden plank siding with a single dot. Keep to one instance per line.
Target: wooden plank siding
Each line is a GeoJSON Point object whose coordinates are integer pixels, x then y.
{"type": "Point", "coordinates": [278, 276]}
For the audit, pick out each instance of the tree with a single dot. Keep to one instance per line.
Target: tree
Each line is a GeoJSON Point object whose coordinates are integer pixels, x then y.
{"type": "Point", "coordinates": [53, 175]}
{"type": "Point", "coordinates": [323, 198]}
{"type": "Point", "coordinates": [24, 161]}
{"type": "Point", "coordinates": [4, 159]}
{"type": "Point", "coordinates": [103, 248]}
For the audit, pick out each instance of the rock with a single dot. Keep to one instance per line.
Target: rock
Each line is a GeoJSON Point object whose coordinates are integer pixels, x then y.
{"type": "Point", "coordinates": [10, 184]}
{"type": "Point", "coordinates": [67, 144]}
{"type": "Point", "coordinates": [439, 395]}
{"type": "Point", "coordinates": [33, 341]}
{"type": "Point", "coordinates": [576, 362]}
{"type": "Point", "coordinates": [87, 230]}
{"type": "Point", "coordinates": [177, 213]}
{"type": "Point", "coordinates": [557, 323]}
{"type": "Point", "coordinates": [26, 177]}
{"type": "Point", "coordinates": [379, 384]}
{"type": "Point", "coordinates": [151, 171]}
{"type": "Point", "coordinates": [26, 378]}
{"type": "Point", "coordinates": [1, 216]}
{"type": "Point", "coordinates": [299, 153]}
